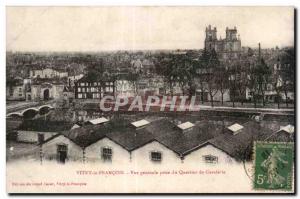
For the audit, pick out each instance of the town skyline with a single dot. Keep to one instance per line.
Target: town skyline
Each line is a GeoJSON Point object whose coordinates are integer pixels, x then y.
{"type": "Point", "coordinates": [63, 29]}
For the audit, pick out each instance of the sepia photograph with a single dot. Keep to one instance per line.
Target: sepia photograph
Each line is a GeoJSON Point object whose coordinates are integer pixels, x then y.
{"type": "Point", "coordinates": [150, 99]}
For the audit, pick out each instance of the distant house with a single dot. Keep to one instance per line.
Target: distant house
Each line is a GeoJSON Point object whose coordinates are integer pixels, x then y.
{"type": "Point", "coordinates": [46, 73]}
{"type": "Point", "coordinates": [61, 149]}
{"type": "Point", "coordinates": [148, 66]}
{"type": "Point", "coordinates": [70, 145]}
{"type": "Point", "coordinates": [87, 88]}
{"type": "Point", "coordinates": [37, 131]}
{"type": "Point", "coordinates": [47, 89]}
{"type": "Point", "coordinates": [15, 89]}
{"type": "Point", "coordinates": [68, 94]}
{"type": "Point", "coordinates": [74, 78]}
{"type": "Point", "coordinates": [150, 86]}
{"type": "Point", "coordinates": [125, 88]}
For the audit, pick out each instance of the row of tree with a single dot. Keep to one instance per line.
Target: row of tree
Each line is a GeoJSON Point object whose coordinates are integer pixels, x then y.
{"type": "Point", "coordinates": [234, 75]}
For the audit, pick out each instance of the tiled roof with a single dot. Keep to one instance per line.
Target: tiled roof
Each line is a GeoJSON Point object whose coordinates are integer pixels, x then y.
{"type": "Point", "coordinates": [184, 142]}
{"type": "Point", "coordinates": [288, 128]}
{"type": "Point", "coordinates": [122, 132]}
{"type": "Point", "coordinates": [131, 138]}
{"type": "Point", "coordinates": [236, 144]}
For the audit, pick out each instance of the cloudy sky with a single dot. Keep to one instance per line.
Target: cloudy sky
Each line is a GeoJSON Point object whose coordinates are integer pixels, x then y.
{"type": "Point", "coordinates": [134, 28]}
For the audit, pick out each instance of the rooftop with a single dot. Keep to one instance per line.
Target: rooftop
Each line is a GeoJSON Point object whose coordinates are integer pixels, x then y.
{"type": "Point", "coordinates": [240, 144]}
{"type": "Point", "coordinates": [98, 120]}
{"type": "Point", "coordinates": [288, 128]}
{"type": "Point", "coordinates": [185, 125]}
{"type": "Point", "coordinates": [140, 123]}
{"type": "Point", "coordinates": [235, 128]}
{"type": "Point", "coordinates": [168, 134]}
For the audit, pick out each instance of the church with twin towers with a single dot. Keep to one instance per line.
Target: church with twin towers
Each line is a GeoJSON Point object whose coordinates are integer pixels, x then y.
{"type": "Point", "coordinates": [227, 48]}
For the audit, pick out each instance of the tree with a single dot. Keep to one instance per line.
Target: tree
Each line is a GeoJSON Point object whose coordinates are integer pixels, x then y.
{"type": "Point", "coordinates": [133, 79]}
{"type": "Point", "coordinates": [287, 72]}
{"type": "Point", "coordinates": [95, 69]}
{"type": "Point", "coordinates": [177, 68]}
{"type": "Point", "coordinates": [253, 84]}
{"type": "Point", "coordinates": [222, 81]}
{"type": "Point", "coordinates": [276, 84]}
{"type": "Point", "coordinates": [209, 63]}
{"type": "Point", "coordinates": [233, 84]}
{"type": "Point", "coordinates": [242, 84]}
{"type": "Point", "coordinates": [259, 78]}
{"type": "Point", "coordinates": [263, 72]}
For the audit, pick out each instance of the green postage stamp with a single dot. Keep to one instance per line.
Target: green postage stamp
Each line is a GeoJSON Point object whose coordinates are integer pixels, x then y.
{"type": "Point", "coordinates": [273, 165]}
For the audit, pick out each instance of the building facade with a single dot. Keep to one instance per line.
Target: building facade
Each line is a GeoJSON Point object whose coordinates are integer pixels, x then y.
{"type": "Point", "coordinates": [152, 143]}
{"type": "Point", "coordinates": [86, 88]}
{"type": "Point", "coordinates": [107, 151]}
{"type": "Point", "coordinates": [227, 48]}
{"type": "Point", "coordinates": [61, 149]}
{"type": "Point", "coordinates": [47, 91]}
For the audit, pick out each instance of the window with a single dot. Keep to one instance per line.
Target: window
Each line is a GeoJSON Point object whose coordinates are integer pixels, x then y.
{"type": "Point", "coordinates": [107, 89]}
{"type": "Point", "coordinates": [156, 156]}
{"type": "Point", "coordinates": [79, 95]}
{"type": "Point", "coordinates": [106, 154]}
{"type": "Point", "coordinates": [210, 159]}
{"type": "Point", "coordinates": [83, 89]}
{"type": "Point", "coordinates": [11, 91]}
{"type": "Point", "coordinates": [82, 84]}
{"type": "Point", "coordinates": [20, 90]}
{"type": "Point", "coordinates": [96, 95]}
{"type": "Point", "coordinates": [79, 89]}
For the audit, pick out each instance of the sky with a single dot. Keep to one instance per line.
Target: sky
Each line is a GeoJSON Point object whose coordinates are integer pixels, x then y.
{"type": "Point", "coordinates": [142, 28]}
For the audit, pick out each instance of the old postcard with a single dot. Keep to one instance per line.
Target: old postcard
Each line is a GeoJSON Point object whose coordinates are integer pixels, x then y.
{"type": "Point", "coordinates": [150, 100]}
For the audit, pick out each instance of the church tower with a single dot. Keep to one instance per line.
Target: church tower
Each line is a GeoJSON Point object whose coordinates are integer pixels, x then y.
{"type": "Point", "coordinates": [211, 38]}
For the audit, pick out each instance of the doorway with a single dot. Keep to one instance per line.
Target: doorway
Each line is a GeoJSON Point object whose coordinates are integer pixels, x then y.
{"type": "Point", "coordinates": [41, 138]}
{"type": "Point", "coordinates": [62, 153]}
{"type": "Point", "coordinates": [46, 94]}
